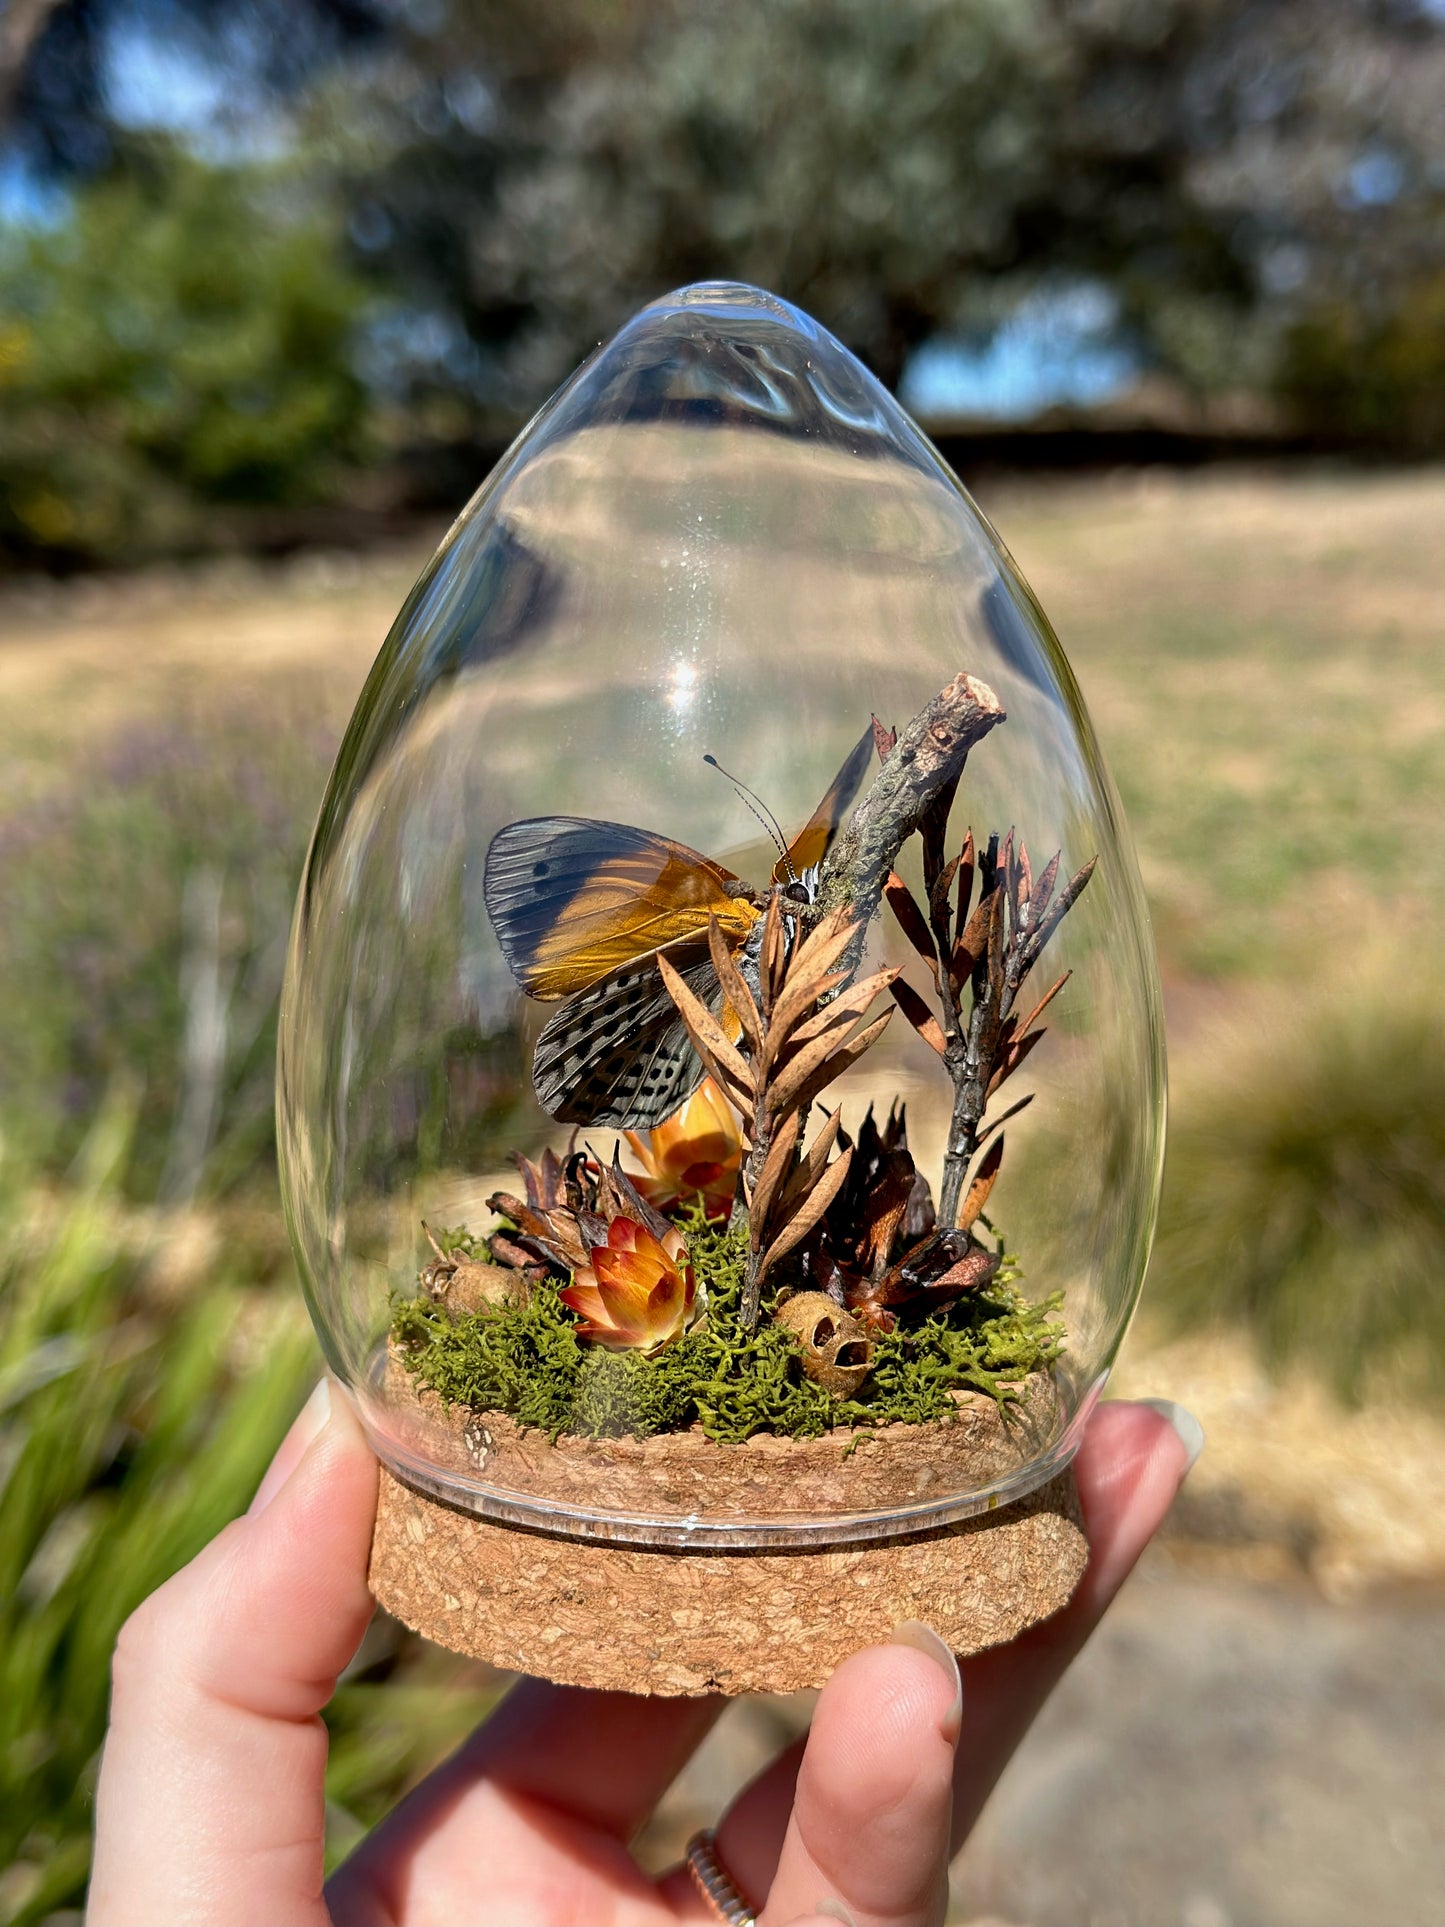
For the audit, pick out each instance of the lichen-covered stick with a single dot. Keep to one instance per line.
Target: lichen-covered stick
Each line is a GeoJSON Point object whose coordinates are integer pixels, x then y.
{"type": "Point", "coordinates": [925, 761]}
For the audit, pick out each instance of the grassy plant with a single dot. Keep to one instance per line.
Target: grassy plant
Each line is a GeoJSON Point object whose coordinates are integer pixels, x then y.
{"type": "Point", "coordinates": [131, 1430]}
{"type": "Point", "coordinates": [1305, 1191]}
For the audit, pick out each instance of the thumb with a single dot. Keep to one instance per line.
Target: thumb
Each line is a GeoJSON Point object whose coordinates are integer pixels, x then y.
{"type": "Point", "coordinates": [211, 1801]}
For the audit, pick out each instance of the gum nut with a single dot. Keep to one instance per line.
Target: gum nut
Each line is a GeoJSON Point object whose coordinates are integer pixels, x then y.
{"type": "Point", "coordinates": [836, 1350]}
{"type": "Point", "coordinates": [474, 1286]}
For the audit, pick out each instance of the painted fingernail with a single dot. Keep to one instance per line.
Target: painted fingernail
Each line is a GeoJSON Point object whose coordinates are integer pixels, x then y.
{"type": "Point", "coordinates": [1188, 1428]}
{"type": "Point", "coordinates": [306, 1427]}
{"type": "Point", "coordinates": [913, 1632]}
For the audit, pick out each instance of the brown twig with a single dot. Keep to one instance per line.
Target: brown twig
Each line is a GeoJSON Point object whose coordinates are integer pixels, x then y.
{"type": "Point", "coordinates": [919, 774]}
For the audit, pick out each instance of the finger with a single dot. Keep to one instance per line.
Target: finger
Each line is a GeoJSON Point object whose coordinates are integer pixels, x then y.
{"type": "Point", "coordinates": [869, 1829]}
{"type": "Point", "coordinates": [598, 1760]}
{"type": "Point", "coordinates": [1133, 1459]}
{"type": "Point", "coordinates": [211, 1801]}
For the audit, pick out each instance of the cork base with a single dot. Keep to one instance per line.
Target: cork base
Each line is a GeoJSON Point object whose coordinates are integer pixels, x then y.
{"type": "Point", "coordinates": [647, 1620]}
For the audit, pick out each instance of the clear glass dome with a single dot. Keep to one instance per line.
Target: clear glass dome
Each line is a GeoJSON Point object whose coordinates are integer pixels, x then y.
{"type": "Point", "coordinates": [521, 1221]}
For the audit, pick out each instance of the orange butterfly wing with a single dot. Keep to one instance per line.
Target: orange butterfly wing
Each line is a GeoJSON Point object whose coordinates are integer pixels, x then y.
{"type": "Point", "coordinates": [810, 845]}
{"type": "Point", "coordinates": [573, 899]}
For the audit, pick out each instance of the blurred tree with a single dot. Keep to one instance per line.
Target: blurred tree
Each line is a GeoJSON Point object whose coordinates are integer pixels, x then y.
{"type": "Point", "coordinates": [182, 340]}
{"type": "Point", "coordinates": [899, 169]}
{"type": "Point", "coordinates": [1226, 169]}
{"type": "Point", "coordinates": [1251, 192]}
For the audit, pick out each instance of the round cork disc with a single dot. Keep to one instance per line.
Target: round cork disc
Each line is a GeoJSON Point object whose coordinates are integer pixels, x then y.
{"type": "Point", "coordinates": [641, 1619]}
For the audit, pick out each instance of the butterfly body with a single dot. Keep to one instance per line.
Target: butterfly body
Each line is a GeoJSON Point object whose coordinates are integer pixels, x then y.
{"type": "Point", "coordinates": [582, 909]}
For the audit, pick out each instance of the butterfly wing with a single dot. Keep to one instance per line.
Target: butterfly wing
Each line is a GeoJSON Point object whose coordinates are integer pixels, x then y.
{"type": "Point", "coordinates": [811, 843]}
{"type": "Point", "coordinates": [575, 901]}
{"type": "Point", "coordinates": [617, 1052]}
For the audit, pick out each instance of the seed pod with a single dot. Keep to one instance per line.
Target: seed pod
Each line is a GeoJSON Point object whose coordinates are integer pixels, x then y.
{"type": "Point", "coordinates": [473, 1287]}
{"type": "Point", "coordinates": [835, 1347]}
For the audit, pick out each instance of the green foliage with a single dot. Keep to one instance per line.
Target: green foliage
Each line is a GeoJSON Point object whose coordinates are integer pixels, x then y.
{"type": "Point", "coordinates": [130, 1433]}
{"type": "Point", "coordinates": [133, 1426]}
{"type": "Point", "coordinates": [528, 1361]}
{"type": "Point", "coordinates": [1304, 1197]}
{"type": "Point", "coordinates": [182, 341]}
{"type": "Point", "coordinates": [1369, 372]}
{"type": "Point", "coordinates": [146, 911]}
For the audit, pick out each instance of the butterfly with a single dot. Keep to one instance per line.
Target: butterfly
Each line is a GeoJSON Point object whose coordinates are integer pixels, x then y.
{"type": "Point", "coordinates": [582, 909]}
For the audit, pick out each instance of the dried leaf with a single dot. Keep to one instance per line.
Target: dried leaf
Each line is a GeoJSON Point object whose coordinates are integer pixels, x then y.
{"type": "Point", "coordinates": [808, 1214]}
{"type": "Point", "coordinates": [512, 1253]}
{"type": "Point", "coordinates": [974, 1270]}
{"type": "Point", "coordinates": [845, 1055]}
{"type": "Point", "coordinates": [1026, 882]}
{"type": "Point", "coordinates": [983, 1182]}
{"type": "Point", "coordinates": [851, 1002]}
{"type": "Point", "coordinates": [824, 947]}
{"type": "Point", "coordinates": [988, 867]}
{"type": "Point", "coordinates": [972, 943]}
{"type": "Point", "coordinates": [707, 1034]}
{"type": "Point", "coordinates": [883, 1212]}
{"type": "Point", "coordinates": [966, 861]}
{"type": "Point", "coordinates": [911, 922]}
{"type": "Point", "coordinates": [933, 831]}
{"type": "Point", "coordinates": [634, 1205]}
{"type": "Point", "coordinates": [782, 1093]}
{"type": "Point", "coordinates": [920, 1016]}
{"type": "Point", "coordinates": [735, 988]}
{"type": "Point", "coordinates": [775, 1168]}
{"type": "Point", "coordinates": [799, 998]}
{"type": "Point", "coordinates": [1003, 1117]}
{"type": "Point", "coordinates": [810, 1165]}
{"type": "Point", "coordinates": [1043, 890]}
{"type": "Point", "coordinates": [1062, 904]}
{"type": "Point", "coordinates": [883, 740]}
{"type": "Point", "coordinates": [1015, 1056]}
{"type": "Point", "coordinates": [1048, 997]}
{"type": "Point", "coordinates": [996, 935]}
{"type": "Point", "coordinates": [507, 1205]}
{"type": "Point", "coordinates": [939, 907]}
{"type": "Point", "coordinates": [773, 954]}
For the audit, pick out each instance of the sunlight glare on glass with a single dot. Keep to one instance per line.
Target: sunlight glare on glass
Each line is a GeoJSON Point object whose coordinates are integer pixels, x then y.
{"type": "Point", "coordinates": [682, 692]}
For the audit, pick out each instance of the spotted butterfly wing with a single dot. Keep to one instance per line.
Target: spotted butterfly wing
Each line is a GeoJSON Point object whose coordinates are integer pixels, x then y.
{"type": "Point", "coordinates": [581, 909]}
{"type": "Point", "coordinates": [618, 1053]}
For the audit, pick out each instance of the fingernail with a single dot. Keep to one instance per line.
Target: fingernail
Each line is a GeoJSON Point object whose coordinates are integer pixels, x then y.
{"type": "Point", "coordinates": [1188, 1428]}
{"type": "Point", "coordinates": [913, 1632]}
{"type": "Point", "coordinates": [307, 1426]}
{"type": "Point", "coordinates": [834, 1909]}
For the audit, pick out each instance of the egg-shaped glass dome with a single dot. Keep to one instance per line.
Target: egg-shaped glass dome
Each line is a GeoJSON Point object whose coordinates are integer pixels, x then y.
{"type": "Point", "coordinates": [721, 1082]}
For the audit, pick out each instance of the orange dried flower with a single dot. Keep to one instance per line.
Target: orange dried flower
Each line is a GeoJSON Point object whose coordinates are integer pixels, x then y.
{"type": "Point", "coordinates": [695, 1153]}
{"type": "Point", "coordinates": [638, 1292]}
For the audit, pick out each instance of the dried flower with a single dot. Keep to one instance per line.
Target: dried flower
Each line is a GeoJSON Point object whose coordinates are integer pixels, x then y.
{"type": "Point", "coordinates": [694, 1153]}
{"type": "Point", "coordinates": [637, 1294]}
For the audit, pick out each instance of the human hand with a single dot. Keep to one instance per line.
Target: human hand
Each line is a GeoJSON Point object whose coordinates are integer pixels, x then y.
{"type": "Point", "coordinates": [210, 1808]}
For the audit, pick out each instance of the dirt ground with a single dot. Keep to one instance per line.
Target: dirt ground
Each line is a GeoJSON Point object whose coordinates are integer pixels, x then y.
{"type": "Point", "coordinates": [1257, 1738]}
{"type": "Point", "coordinates": [1227, 1753]}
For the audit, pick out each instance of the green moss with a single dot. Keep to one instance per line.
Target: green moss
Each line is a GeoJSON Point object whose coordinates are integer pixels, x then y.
{"type": "Point", "coordinates": [462, 1241]}
{"type": "Point", "coordinates": [528, 1361]}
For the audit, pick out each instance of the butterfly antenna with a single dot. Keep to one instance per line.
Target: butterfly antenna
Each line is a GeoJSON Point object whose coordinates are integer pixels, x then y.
{"type": "Point", "coordinates": [759, 809]}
